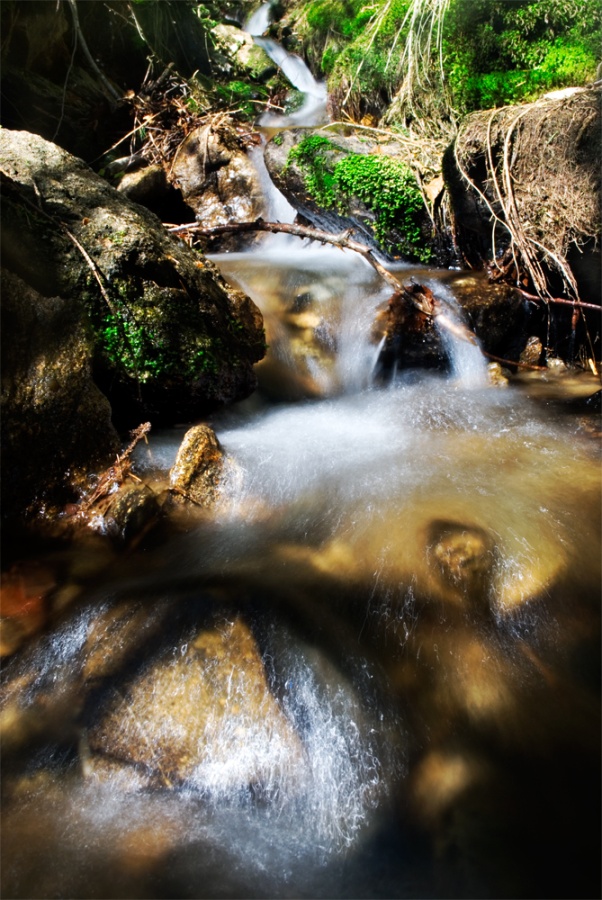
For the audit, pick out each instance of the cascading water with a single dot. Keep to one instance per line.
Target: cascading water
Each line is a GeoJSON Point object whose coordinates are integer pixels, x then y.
{"type": "Point", "coordinates": [313, 108]}
{"type": "Point", "coordinates": [418, 566]}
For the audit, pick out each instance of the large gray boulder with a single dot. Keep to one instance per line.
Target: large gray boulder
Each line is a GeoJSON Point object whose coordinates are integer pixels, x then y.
{"type": "Point", "coordinates": [168, 338]}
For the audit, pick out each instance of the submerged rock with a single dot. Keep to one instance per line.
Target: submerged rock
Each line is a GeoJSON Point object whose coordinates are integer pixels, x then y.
{"type": "Point", "coordinates": [465, 558]}
{"type": "Point", "coordinates": [203, 714]}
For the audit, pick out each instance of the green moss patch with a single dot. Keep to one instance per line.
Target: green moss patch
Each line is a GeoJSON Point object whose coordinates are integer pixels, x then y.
{"type": "Point", "coordinates": [384, 184]}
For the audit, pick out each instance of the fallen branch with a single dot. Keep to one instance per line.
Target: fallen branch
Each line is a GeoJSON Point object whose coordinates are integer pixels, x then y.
{"type": "Point", "coordinates": [577, 303]}
{"type": "Point", "coordinates": [119, 471]}
{"type": "Point", "coordinates": [303, 231]}
{"type": "Point", "coordinates": [434, 309]}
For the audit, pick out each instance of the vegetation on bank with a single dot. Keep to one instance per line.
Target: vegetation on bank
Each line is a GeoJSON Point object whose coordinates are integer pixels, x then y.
{"type": "Point", "coordinates": [466, 55]}
{"type": "Point", "coordinates": [384, 184]}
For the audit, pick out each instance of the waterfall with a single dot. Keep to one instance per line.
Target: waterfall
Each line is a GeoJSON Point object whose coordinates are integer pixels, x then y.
{"type": "Point", "coordinates": [468, 365]}
{"type": "Point", "coordinates": [313, 109]}
{"type": "Point", "coordinates": [258, 23]}
{"type": "Point", "coordinates": [278, 209]}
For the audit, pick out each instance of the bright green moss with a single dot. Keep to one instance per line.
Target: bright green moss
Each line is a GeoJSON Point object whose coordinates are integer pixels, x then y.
{"type": "Point", "coordinates": [317, 168]}
{"type": "Point", "coordinates": [389, 188]}
{"type": "Point", "coordinates": [142, 353]}
{"type": "Point", "coordinates": [386, 186]}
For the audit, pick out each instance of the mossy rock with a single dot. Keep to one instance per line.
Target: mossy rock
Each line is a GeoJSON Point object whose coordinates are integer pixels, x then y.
{"type": "Point", "coordinates": [170, 340]}
{"type": "Point", "coordinates": [341, 181]}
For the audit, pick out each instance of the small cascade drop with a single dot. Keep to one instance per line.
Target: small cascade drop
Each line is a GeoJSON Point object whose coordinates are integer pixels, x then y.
{"type": "Point", "coordinates": [277, 207]}
{"type": "Point", "coordinates": [312, 111]}
{"type": "Point", "coordinates": [258, 23]}
{"type": "Point", "coordinates": [468, 365]}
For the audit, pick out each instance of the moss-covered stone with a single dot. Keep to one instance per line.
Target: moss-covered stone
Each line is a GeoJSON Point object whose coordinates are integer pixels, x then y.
{"type": "Point", "coordinates": [341, 181]}
{"type": "Point", "coordinates": [170, 339]}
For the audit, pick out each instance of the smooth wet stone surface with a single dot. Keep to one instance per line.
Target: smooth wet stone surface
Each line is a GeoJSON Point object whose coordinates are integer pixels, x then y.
{"type": "Point", "coordinates": [198, 469]}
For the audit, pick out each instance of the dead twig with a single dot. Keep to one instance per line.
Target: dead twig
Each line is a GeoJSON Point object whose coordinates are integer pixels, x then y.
{"type": "Point", "coordinates": [121, 469]}
{"type": "Point", "coordinates": [577, 303]}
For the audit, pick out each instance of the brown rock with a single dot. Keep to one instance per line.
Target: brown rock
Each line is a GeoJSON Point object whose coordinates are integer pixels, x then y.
{"type": "Point", "coordinates": [216, 177]}
{"type": "Point", "coordinates": [147, 186]}
{"type": "Point", "coordinates": [198, 468]}
{"type": "Point", "coordinates": [132, 512]}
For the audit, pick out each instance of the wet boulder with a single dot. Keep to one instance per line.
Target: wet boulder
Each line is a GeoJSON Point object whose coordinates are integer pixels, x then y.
{"type": "Point", "coordinates": [406, 328]}
{"type": "Point", "coordinates": [198, 469]}
{"type": "Point", "coordinates": [168, 338]}
{"type": "Point", "coordinates": [217, 179]}
{"type": "Point", "coordinates": [132, 513]}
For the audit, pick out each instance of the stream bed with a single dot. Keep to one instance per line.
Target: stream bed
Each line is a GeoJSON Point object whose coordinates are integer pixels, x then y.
{"type": "Point", "coordinates": [372, 671]}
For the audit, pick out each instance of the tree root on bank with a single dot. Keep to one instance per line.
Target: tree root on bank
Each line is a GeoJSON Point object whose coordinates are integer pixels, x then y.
{"type": "Point", "coordinates": [541, 183]}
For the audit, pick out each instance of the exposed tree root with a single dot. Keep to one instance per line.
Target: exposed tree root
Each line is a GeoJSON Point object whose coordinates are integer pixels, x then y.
{"type": "Point", "coordinates": [541, 186]}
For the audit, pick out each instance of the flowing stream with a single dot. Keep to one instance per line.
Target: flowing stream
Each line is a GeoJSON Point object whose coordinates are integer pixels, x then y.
{"type": "Point", "coordinates": [417, 562]}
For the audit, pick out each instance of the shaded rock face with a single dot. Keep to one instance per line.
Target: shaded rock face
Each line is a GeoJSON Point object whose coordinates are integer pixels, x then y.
{"type": "Point", "coordinates": [216, 177]}
{"type": "Point", "coordinates": [497, 313]}
{"type": "Point", "coordinates": [171, 339]}
{"type": "Point", "coordinates": [203, 715]}
{"type": "Point", "coordinates": [56, 423]}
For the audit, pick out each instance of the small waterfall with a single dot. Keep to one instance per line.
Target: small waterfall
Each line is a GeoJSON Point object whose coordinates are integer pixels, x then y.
{"type": "Point", "coordinates": [468, 365]}
{"type": "Point", "coordinates": [354, 527]}
{"type": "Point", "coordinates": [258, 23]}
{"type": "Point", "coordinates": [313, 109]}
{"type": "Point", "coordinates": [278, 209]}
{"type": "Point", "coordinates": [312, 112]}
